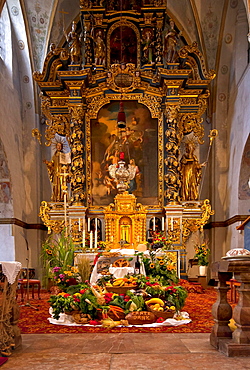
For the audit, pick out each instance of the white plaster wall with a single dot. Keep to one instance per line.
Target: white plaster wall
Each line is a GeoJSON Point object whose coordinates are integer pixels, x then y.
{"type": "Point", "coordinates": [17, 119]}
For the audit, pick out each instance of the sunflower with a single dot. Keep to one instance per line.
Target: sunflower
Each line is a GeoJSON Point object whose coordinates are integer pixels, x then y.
{"type": "Point", "coordinates": [48, 251]}
{"type": "Point", "coordinates": [152, 265]}
{"type": "Point", "coordinates": [161, 262]}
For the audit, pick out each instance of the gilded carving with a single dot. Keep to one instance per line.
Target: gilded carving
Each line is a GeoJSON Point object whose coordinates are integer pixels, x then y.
{"type": "Point", "coordinates": [191, 225]}
{"type": "Point", "coordinates": [123, 78]}
{"type": "Point", "coordinates": [193, 49]}
{"type": "Point", "coordinates": [52, 225]}
{"type": "Point", "coordinates": [77, 149]}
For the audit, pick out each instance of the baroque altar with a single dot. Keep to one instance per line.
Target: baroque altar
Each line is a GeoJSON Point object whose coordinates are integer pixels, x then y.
{"type": "Point", "coordinates": [125, 88]}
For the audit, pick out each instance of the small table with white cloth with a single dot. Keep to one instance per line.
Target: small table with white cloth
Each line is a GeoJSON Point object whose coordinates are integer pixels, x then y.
{"type": "Point", "coordinates": [104, 265]}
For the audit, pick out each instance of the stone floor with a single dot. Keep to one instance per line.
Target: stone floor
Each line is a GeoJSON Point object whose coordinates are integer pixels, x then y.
{"type": "Point", "coordinates": [121, 351]}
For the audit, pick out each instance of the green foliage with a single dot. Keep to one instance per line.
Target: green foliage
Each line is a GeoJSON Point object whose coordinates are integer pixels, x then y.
{"type": "Point", "coordinates": [202, 253]}
{"type": "Point", "coordinates": [57, 251]}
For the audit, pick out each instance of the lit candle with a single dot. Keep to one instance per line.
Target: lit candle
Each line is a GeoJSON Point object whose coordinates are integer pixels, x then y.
{"type": "Point", "coordinates": [162, 223]}
{"type": "Point", "coordinates": [154, 223]}
{"type": "Point", "coordinates": [88, 224]}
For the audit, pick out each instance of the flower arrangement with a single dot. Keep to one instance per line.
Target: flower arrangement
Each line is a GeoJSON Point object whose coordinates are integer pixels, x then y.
{"type": "Point", "coordinates": [64, 278]}
{"type": "Point", "coordinates": [160, 267]}
{"type": "Point", "coordinates": [202, 253]}
{"type": "Point", "coordinates": [160, 241]}
{"type": "Point", "coordinates": [57, 251]}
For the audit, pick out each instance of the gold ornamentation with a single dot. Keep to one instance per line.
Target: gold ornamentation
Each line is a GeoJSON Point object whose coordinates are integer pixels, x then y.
{"type": "Point", "coordinates": [193, 49]}
{"type": "Point", "coordinates": [192, 225]}
{"type": "Point", "coordinates": [52, 225]}
{"type": "Point", "coordinates": [190, 122]}
{"type": "Point", "coordinates": [125, 220]}
{"type": "Point", "coordinates": [37, 134]}
{"type": "Point", "coordinates": [77, 149]}
{"type": "Point", "coordinates": [123, 78]}
{"type": "Point", "coordinates": [171, 176]}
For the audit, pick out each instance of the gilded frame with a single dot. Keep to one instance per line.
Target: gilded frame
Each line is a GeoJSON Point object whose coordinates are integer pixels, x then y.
{"type": "Point", "coordinates": [94, 104]}
{"type": "Point", "coordinates": [124, 23]}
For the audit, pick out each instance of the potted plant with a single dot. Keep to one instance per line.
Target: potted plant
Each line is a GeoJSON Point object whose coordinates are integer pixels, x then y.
{"type": "Point", "coordinates": [202, 253]}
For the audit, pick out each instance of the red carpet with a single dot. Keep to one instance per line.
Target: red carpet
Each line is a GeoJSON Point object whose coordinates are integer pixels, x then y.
{"type": "Point", "coordinates": [197, 305]}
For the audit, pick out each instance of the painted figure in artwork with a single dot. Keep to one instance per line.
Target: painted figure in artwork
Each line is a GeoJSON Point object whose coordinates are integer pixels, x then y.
{"type": "Point", "coordinates": [190, 170]}
{"type": "Point", "coordinates": [75, 42]}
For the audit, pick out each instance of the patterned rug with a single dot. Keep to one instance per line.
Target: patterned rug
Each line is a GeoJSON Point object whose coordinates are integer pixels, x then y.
{"type": "Point", "coordinates": [198, 305]}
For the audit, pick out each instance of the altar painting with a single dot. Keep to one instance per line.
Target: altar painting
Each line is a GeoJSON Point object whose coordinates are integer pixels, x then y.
{"type": "Point", "coordinates": [138, 141]}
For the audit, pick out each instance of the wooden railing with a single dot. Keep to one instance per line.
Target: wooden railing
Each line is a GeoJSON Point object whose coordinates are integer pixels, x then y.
{"type": "Point", "coordinates": [236, 343]}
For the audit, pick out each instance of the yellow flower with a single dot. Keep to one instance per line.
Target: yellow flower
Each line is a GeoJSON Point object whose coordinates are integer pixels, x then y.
{"type": "Point", "coordinates": [152, 265]}
{"type": "Point", "coordinates": [161, 263]}
{"type": "Point", "coordinates": [48, 251]}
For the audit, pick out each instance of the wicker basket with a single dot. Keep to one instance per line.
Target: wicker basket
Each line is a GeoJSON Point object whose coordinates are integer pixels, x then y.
{"type": "Point", "coordinates": [164, 314]}
{"type": "Point", "coordinates": [120, 289]}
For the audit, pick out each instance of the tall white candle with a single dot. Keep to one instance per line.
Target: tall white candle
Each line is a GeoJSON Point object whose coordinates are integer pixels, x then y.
{"type": "Point", "coordinates": [83, 238]}
{"type": "Point", "coordinates": [172, 223]}
{"type": "Point", "coordinates": [79, 224]}
{"type": "Point", "coordinates": [91, 240]}
{"type": "Point", "coordinates": [154, 223]}
{"type": "Point", "coordinates": [162, 223]}
{"type": "Point", "coordinates": [88, 224]}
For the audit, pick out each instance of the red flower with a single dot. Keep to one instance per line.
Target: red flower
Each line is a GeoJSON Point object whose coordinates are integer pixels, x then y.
{"type": "Point", "coordinates": [66, 295]}
{"type": "Point", "coordinates": [82, 291]}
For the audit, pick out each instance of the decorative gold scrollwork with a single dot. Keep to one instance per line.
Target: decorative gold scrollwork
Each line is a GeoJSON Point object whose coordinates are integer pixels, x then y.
{"type": "Point", "coordinates": [123, 78]}
{"type": "Point", "coordinates": [192, 225]}
{"type": "Point", "coordinates": [77, 150]}
{"type": "Point", "coordinates": [52, 225]}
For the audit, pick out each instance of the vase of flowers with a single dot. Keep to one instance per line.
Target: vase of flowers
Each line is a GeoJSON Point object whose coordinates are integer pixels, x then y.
{"type": "Point", "coordinates": [202, 253]}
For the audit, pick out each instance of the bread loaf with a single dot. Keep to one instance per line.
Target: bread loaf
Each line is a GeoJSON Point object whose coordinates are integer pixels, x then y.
{"type": "Point", "coordinates": [140, 317]}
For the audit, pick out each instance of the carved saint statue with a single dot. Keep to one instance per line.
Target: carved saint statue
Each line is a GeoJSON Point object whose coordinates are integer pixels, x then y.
{"type": "Point", "coordinates": [147, 46]}
{"type": "Point", "coordinates": [75, 42]}
{"type": "Point", "coordinates": [190, 174]}
{"type": "Point", "coordinates": [56, 168]}
{"type": "Point", "coordinates": [170, 43]}
{"type": "Point", "coordinates": [99, 48]}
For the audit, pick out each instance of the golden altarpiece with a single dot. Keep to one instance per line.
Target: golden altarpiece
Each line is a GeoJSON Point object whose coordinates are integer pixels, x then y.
{"type": "Point", "coordinates": [125, 90]}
